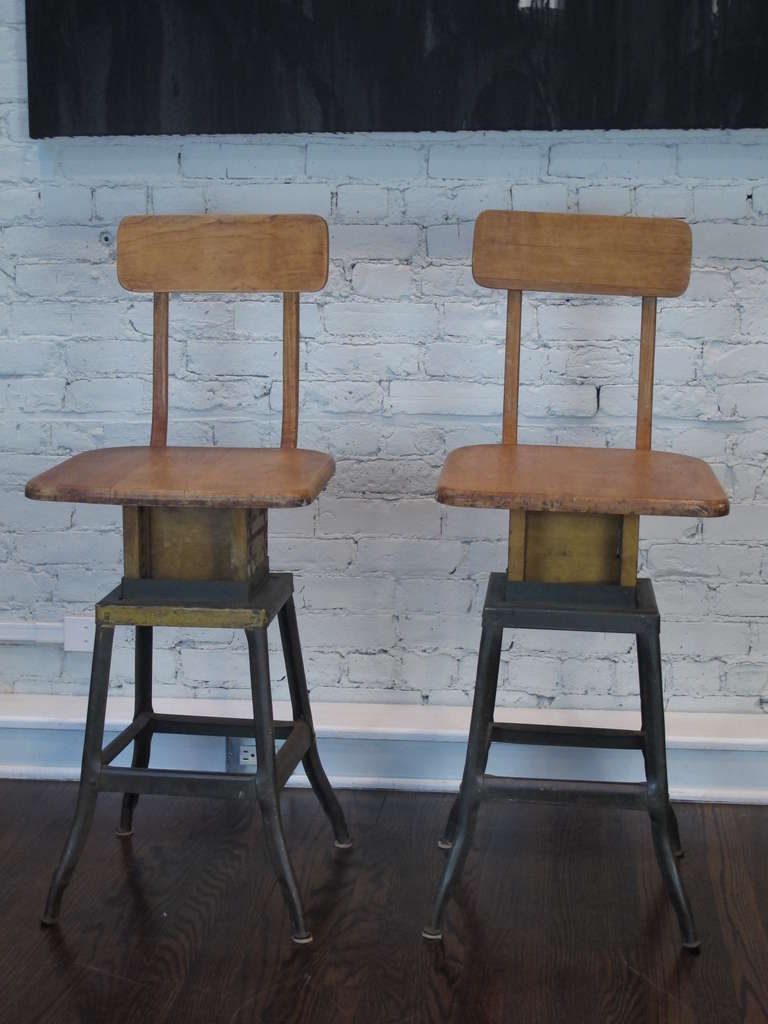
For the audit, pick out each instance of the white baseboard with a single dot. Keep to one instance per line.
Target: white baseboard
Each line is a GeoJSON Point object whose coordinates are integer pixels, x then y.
{"type": "Point", "coordinates": [711, 757]}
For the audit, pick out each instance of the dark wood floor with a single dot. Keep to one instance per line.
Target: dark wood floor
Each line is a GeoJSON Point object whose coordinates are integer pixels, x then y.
{"type": "Point", "coordinates": [560, 917]}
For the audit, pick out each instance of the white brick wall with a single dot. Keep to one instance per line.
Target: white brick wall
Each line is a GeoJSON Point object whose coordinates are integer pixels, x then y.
{"type": "Point", "coordinates": [401, 361]}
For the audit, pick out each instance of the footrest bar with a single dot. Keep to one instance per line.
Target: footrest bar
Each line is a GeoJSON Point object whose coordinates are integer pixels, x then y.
{"type": "Point", "coordinates": [292, 751]}
{"type": "Point", "coordinates": [633, 795]}
{"type": "Point", "coordinates": [205, 725]}
{"type": "Point", "coordinates": [567, 736]}
{"type": "Point", "coordinates": [127, 736]}
{"type": "Point", "coordinates": [167, 782]}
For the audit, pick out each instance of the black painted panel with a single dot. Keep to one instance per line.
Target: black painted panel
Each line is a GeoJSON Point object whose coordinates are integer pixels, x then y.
{"type": "Point", "coordinates": [120, 67]}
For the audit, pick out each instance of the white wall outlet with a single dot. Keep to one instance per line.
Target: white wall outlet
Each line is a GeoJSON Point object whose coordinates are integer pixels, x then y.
{"type": "Point", "coordinates": [79, 632]}
{"type": "Point", "coordinates": [241, 754]}
{"type": "Point", "coordinates": [247, 753]}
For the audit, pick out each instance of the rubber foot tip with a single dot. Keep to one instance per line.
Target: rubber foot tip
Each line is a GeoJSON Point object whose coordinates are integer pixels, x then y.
{"type": "Point", "coordinates": [445, 844]}
{"type": "Point", "coordinates": [122, 833]}
{"type": "Point", "coordinates": [302, 940]}
{"type": "Point", "coordinates": [433, 934]}
{"type": "Point", "coordinates": [47, 921]}
{"type": "Point", "coordinates": [692, 947]}
{"type": "Point", "coordinates": [342, 844]}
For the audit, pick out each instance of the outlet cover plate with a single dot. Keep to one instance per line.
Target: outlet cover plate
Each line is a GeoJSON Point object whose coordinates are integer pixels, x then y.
{"type": "Point", "coordinates": [241, 754]}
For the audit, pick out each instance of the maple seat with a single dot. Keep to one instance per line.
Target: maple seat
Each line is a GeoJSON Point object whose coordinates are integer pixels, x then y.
{"type": "Point", "coordinates": [183, 477]}
{"type": "Point", "coordinates": [616, 481]}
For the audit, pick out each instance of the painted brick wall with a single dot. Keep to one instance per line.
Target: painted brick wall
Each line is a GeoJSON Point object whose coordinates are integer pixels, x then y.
{"type": "Point", "coordinates": [401, 361]}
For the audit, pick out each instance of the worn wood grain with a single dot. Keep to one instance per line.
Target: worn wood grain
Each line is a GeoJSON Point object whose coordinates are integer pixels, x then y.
{"type": "Point", "coordinates": [512, 367]}
{"type": "Point", "coordinates": [630, 542]}
{"type": "Point", "coordinates": [613, 480]}
{"type": "Point", "coordinates": [290, 428]}
{"type": "Point", "coordinates": [560, 915]}
{"type": "Point", "coordinates": [645, 374]}
{"type": "Point", "coordinates": [572, 547]}
{"type": "Point", "coordinates": [196, 543]}
{"type": "Point", "coordinates": [159, 435]}
{"type": "Point", "coordinates": [581, 253]}
{"type": "Point", "coordinates": [205, 477]}
{"type": "Point", "coordinates": [223, 253]}
{"type": "Point", "coordinates": [516, 547]}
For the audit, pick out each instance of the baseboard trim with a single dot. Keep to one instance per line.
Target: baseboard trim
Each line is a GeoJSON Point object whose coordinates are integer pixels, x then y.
{"type": "Point", "coordinates": [712, 757]}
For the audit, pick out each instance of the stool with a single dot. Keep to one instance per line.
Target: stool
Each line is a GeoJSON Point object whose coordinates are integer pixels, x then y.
{"type": "Point", "coordinates": [195, 539]}
{"type": "Point", "coordinates": [573, 522]}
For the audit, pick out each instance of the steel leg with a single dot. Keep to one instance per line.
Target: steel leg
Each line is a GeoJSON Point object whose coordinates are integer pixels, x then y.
{"type": "Point", "coordinates": [89, 774]}
{"type": "Point", "coordinates": [267, 794]}
{"type": "Point", "coordinates": [674, 832]}
{"type": "Point", "coordinates": [474, 767]}
{"type": "Point", "coordinates": [297, 684]}
{"type": "Point", "coordinates": [142, 702]}
{"type": "Point", "coordinates": [446, 842]}
{"type": "Point", "coordinates": [665, 837]}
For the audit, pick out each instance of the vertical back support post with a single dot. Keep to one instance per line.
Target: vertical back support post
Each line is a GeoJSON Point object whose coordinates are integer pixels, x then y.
{"type": "Point", "coordinates": [630, 531]}
{"type": "Point", "coordinates": [516, 562]}
{"type": "Point", "coordinates": [159, 435]}
{"type": "Point", "coordinates": [290, 370]}
{"type": "Point", "coordinates": [512, 367]}
{"type": "Point", "coordinates": [645, 374]}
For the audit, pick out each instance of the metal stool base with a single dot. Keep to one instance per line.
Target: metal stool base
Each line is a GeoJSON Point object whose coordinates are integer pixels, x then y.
{"type": "Point", "coordinates": [609, 609]}
{"type": "Point", "coordinates": [98, 774]}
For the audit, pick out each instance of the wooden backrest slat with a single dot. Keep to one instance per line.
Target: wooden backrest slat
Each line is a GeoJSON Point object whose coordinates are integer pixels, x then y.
{"type": "Point", "coordinates": [645, 374]}
{"type": "Point", "coordinates": [160, 371]}
{"type": "Point", "coordinates": [290, 370]}
{"type": "Point", "coordinates": [233, 253]}
{"type": "Point", "coordinates": [512, 367]}
{"type": "Point", "coordinates": [285, 253]}
{"type": "Point", "coordinates": [582, 254]}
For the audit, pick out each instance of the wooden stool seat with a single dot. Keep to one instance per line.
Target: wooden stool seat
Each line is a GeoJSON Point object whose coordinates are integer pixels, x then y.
{"type": "Point", "coordinates": [202, 477]}
{"type": "Point", "coordinates": [618, 481]}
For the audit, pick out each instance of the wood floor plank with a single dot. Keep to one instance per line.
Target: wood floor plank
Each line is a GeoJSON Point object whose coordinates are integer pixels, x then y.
{"type": "Point", "coordinates": [742, 917]}
{"type": "Point", "coordinates": [560, 915]}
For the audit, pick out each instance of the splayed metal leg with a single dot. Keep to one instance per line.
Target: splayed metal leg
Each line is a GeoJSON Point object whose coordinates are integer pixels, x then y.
{"type": "Point", "coordinates": [474, 767]}
{"type": "Point", "coordinates": [267, 788]}
{"type": "Point", "coordinates": [142, 704]}
{"type": "Point", "coordinates": [89, 775]}
{"type": "Point", "coordinates": [666, 837]}
{"type": "Point", "coordinates": [297, 684]}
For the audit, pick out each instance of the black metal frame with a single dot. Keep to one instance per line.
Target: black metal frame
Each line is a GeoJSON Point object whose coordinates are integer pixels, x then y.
{"type": "Point", "coordinates": [610, 609]}
{"type": "Point", "coordinates": [275, 598]}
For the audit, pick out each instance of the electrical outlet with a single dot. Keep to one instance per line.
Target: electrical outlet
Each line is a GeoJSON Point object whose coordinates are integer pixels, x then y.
{"type": "Point", "coordinates": [78, 632]}
{"type": "Point", "coordinates": [247, 753]}
{"type": "Point", "coordinates": [241, 754]}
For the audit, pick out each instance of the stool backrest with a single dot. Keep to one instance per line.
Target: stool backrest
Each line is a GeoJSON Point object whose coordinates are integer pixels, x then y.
{"type": "Point", "coordinates": [597, 255]}
{"type": "Point", "coordinates": [581, 254]}
{"type": "Point", "coordinates": [285, 253]}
